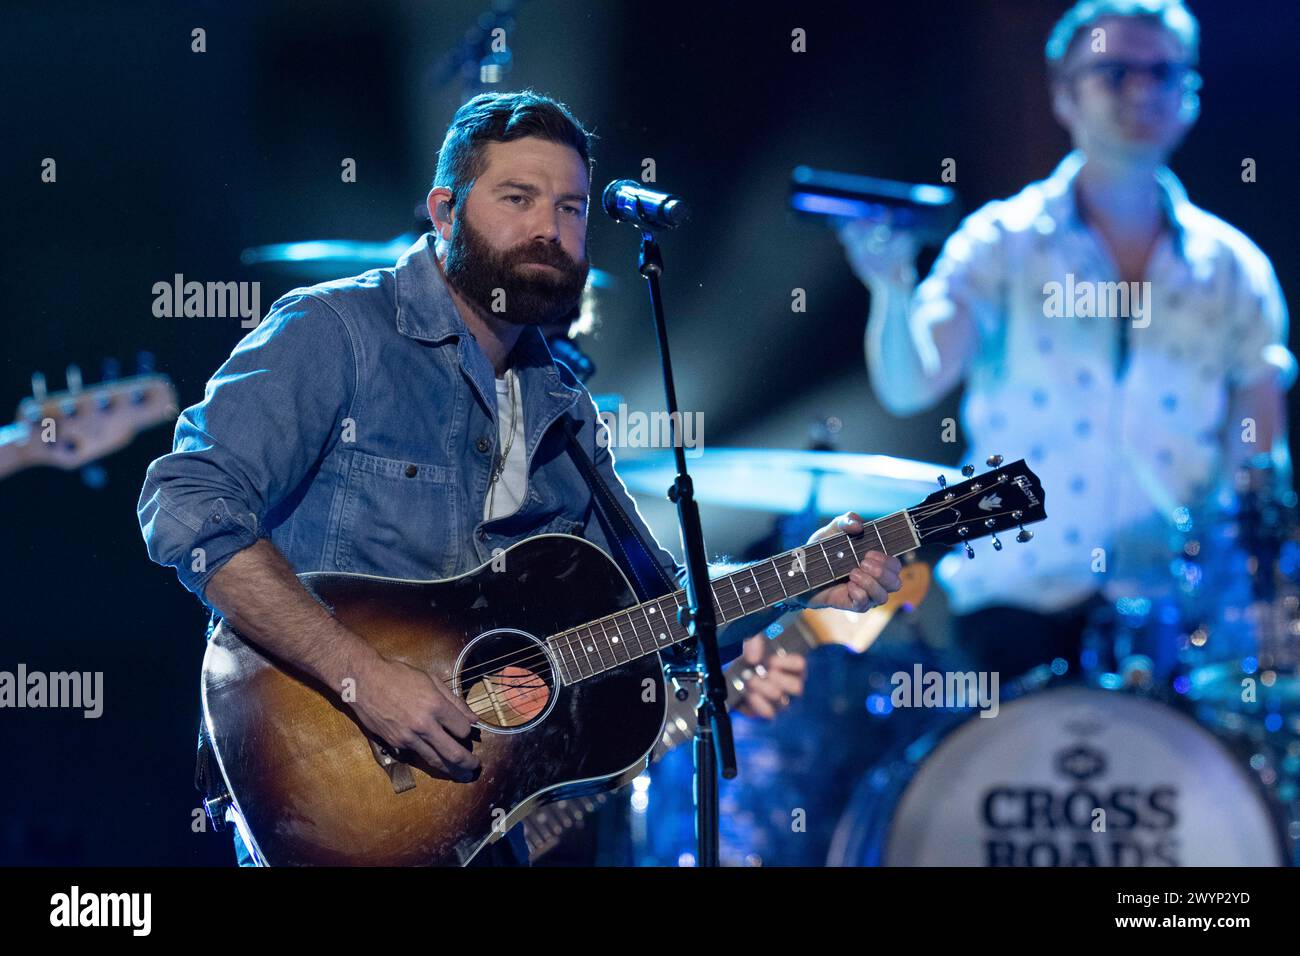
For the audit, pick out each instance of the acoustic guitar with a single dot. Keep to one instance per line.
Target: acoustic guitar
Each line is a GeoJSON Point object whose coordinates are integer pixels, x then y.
{"type": "Point", "coordinates": [548, 645]}
{"type": "Point", "coordinates": [805, 632]}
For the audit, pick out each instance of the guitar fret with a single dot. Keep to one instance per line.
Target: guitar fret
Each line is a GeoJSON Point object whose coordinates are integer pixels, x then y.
{"type": "Point", "coordinates": [650, 629]}
{"type": "Point", "coordinates": [632, 640]}
{"type": "Point", "coordinates": [650, 614]}
{"type": "Point", "coordinates": [586, 654]}
{"type": "Point", "coordinates": [573, 652]}
{"type": "Point", "coordinates": [623, 636]}
{"type": "Point", "coordinates": [784, 592]}
{"type": "Point", "coordinates": [900, 535]}
{"type": "Point", "coordinates": [622, 622]}
{"type": "Point", "coordinates": [595, 647]}
{"type": "Point", "coordinates": [827, 558]}
{"type": "Point", "coordinates": [677, 606]}
{"type": "Point", "coordinates": [557, 648]}
{"type": "Point", "coordinates": [650, 626]}
{"type": "Point", "coordinates": [752, 594]}
{"type": "Point", "coordinates": [739, 600]}
{"type": "Point", "coordinates": [801, 562]}
{"type": "Point", "coordinates": [849, 538]}
{"type": "Point", "coordinates": [676, 629]}
{"type": "Point", "coordinates": [615, 643]}
{"type": "Point", "coordinates": [635, 647]}
{"type": "Point", "coordinates": [665, 627]}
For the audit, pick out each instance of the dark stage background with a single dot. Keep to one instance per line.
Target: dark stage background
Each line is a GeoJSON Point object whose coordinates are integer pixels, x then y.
{"type": "Point", "coordinates": [172, 162]}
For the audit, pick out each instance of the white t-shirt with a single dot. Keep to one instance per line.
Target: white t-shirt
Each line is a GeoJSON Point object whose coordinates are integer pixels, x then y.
{"type": "Point", "coordinates": [1118, 456]}
{"type": "Point", "coordinates": [512, 486]}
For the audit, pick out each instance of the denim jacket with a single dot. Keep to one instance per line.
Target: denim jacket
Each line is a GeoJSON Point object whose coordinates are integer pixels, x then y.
{"type": "Point", "coordinates": [356, 428]}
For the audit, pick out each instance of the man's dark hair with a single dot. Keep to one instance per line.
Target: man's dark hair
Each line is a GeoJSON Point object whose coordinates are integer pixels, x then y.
{"type": "Point", "coordinates": [502, 118]}
{"type": "Point", "coordinates": [1073, 27]}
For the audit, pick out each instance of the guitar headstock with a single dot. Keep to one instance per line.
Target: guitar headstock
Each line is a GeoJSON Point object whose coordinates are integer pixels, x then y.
{"type": "Point", "coordinates": [71, 428]}
{"type": "Point", "coordinates": [1008, 496]}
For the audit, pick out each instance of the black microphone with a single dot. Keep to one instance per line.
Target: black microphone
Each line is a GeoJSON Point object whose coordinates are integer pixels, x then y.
{"type": "Point", "coordinates": [928, 211]}
{"type": "Point", "coordinates": [626, 200]}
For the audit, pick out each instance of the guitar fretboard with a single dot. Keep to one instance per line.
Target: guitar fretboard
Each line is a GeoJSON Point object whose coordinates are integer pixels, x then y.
{"type": "Point", "coordinates": [616, 639]}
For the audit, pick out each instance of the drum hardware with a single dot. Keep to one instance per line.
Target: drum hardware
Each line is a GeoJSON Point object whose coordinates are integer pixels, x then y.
{"type": "Point", "coordinates": [1030, 788]}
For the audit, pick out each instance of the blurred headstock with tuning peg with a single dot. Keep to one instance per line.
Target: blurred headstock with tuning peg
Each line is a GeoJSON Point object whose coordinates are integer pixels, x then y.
{"type": "Point", "coordinates": [81, 424]}
{"type": "Point", "coordinates": [1006, 496]}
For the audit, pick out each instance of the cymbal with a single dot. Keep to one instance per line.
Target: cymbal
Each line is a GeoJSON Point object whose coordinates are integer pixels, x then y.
{"type": "Point", "coordinates": [321, 259]}
{"type": "Point", "coordinates": [784, 481]}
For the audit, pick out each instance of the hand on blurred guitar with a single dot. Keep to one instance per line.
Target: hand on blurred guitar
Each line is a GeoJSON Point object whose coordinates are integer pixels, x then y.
{"type": "Point", "coordinates": [777, 678]}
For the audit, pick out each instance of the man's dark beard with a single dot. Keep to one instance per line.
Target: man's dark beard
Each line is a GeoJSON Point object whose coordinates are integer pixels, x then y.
{"type": "Point", "coordinates": [530, 297]}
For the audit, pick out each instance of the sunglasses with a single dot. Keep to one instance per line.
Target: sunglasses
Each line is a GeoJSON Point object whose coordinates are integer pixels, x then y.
{"type": "Point", "coordinates": [1164, 74]}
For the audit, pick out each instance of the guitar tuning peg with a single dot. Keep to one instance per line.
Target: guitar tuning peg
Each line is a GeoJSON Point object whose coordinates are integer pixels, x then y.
{"type": "Point", "coordinates": [110, 369]}
{"type": "Point", "coordinates": [968, 470]}
{"type": "Point", "coordinates": [962, 533]}
{"type": "Point", "coordinates": [38, 386]}
{"type": "Point", "coordinates": [144, 363]}
{"type": "Point", "coordinates": [73, 377]}
{"type": "Point", "coordinates": [970, 552]}
{"type": "Point", "coordinates": [1024, 536]}
{"type": "Point", "coordinates": [997, 545]}
{"type": "Point", "coordinates": [943, 482]}
{"type": "Point", "coordinates": [993, 460]}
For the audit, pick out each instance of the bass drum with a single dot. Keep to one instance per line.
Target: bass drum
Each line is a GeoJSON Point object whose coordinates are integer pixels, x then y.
{"type": "Point", "coordinates": [1069, 776]}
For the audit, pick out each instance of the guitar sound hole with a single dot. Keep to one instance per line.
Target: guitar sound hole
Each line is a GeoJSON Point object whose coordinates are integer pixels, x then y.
{"type": "Point", "coordinates": [506, 678]}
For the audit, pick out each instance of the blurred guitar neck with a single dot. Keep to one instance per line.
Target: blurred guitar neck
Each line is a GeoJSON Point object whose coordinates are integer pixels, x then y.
{"type": "Point", "coordinates": [14, 448]}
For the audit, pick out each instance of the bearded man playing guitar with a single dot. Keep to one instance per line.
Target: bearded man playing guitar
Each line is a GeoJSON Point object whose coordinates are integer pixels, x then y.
{"type": "Point", "coordinates": [409, 423]}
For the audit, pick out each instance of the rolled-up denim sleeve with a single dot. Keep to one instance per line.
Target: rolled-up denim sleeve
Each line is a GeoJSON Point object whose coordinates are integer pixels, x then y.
{"type": "Point", "coordinates": [268, 415]}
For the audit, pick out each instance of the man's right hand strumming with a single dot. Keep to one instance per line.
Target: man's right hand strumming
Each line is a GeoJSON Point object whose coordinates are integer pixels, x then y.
{"type": "Point", "coordinates": [258, 592]}
{"type": "Point", "coordinates": [405, 708]}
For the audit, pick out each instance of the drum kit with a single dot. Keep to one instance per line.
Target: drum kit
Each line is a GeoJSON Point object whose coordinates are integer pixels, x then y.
{"type": "Point", "coordinates": [1177, 743]}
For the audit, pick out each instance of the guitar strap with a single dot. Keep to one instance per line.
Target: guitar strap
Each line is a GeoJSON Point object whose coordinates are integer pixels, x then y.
{"type": "Point", "coordinates": [634, 554]}
{"type": "Point", "coordinates": [207, 775]}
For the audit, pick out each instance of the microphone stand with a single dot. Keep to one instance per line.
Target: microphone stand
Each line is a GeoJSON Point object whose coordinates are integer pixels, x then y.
{"type": "Point", "coordinates": [714, 744]}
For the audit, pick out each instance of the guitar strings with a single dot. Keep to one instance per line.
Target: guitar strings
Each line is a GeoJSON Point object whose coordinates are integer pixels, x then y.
{"type": "Point", "coordinates": [536, 656]}
{"type": "Point", "coordinates": [540, 656]}
{"type": "Point", "coordinates": [523, 686]}
{"type": "Point", "coordinates": [723, 602]}
{"type": "Point", "coordinates": [526, 683]}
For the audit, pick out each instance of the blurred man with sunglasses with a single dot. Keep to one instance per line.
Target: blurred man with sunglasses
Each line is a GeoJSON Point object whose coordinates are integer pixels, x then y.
{"type": "Point", "coordinates": [1129, 344]}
